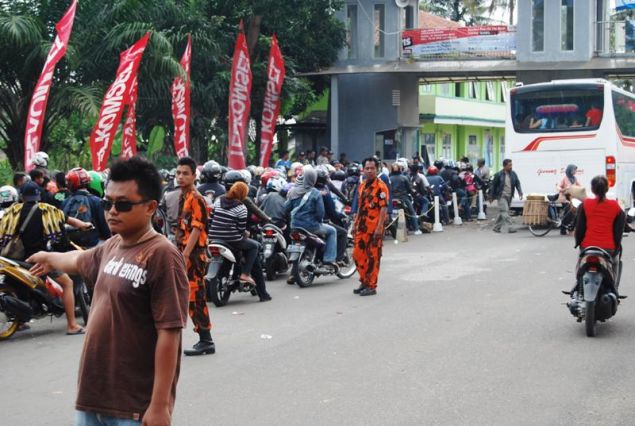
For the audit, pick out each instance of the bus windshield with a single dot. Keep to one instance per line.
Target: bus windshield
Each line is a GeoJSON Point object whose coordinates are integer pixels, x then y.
{"type": "Point", "coordinates": [563, 108]}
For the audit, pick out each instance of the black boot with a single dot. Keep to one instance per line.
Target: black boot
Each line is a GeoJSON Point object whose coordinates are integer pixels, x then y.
{"type": "Point", "coordinates": [359, 289]}
{"type": "Point", "coordinates": [204, 346]}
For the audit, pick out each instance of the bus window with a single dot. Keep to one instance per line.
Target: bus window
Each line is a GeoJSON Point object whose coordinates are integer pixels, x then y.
{"type": "Point", "coordinates": [560, 109]}
{"type": "Point", "coordinates": [624, 107]}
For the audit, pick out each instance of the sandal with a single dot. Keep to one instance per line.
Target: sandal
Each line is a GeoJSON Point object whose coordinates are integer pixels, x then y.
{"type": "Point", "coordinates": [247, 279]}
{"type": "Point", "coordinates": [79, 331]}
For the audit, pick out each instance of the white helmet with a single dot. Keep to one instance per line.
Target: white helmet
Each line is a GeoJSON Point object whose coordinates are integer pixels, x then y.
{"type": "Point", "coordinates": [41, 159]}
{"type": "Point", "coordinates": [247, 175]}
{"type": "Point", "coordinates": [8, 196]}
{"type": "Point", "coordinates": [402, 163]}
{"type": "Point", "coordinates": [276, 183]}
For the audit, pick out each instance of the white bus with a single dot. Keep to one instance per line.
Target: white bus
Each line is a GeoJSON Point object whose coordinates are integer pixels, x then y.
{"type": "Point", "coordinates": [586, 122]}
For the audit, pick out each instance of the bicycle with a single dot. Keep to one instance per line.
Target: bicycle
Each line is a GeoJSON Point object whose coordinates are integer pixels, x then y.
{"type": "Point", "coordinates": [553, 220]}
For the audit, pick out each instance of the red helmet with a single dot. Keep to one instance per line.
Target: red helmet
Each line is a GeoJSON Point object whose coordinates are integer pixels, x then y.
{"type": "Point", "coordinates": [432, 170]}
{"type": "Point", "coordinates": [268, 175]}
{"type": "Point", "coordinates": [77, 178]}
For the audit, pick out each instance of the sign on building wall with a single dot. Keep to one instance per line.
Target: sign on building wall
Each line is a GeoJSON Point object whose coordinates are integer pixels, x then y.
{"type": "Point", "coordinates": [493, 40]}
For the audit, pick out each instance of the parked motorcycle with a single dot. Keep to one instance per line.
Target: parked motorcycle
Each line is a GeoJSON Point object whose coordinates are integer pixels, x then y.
{"type": "Point", "coordinates": [223, 272]}
{"type": "Point", "coordinates": [274, 249]}
{"type": "Point", "coordinates": [595, 297]}
{"type": "Point", "coordinates": [24, 296]}
{"type": "Point", "coordinates": [306, 253]}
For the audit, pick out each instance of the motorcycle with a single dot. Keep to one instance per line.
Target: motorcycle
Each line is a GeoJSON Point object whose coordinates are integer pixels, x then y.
{"type": "Point", "coordinates": [306, 253]}
{"type": "Point", "coordinates": [274, 249]}
{"type": "Point", "coordinates": [223, 273]}
{"type": "Point", "coordinates": [24, 296]}
{"type": "Point", "coordinates": [595, 296]}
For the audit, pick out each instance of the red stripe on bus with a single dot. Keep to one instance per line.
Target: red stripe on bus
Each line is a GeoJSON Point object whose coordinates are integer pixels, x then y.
{"type": "Point", "coordinates": [533, 145]}
{"type": "Point", "coordinates": [626, 141]}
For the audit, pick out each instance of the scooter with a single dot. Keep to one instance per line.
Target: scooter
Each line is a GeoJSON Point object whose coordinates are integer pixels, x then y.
{"type": "Point", "coordinates": [595, 296]}
{"type": "Point", "coordinates": [274, 249]}
{"type": "Point", "coordinates": [306, 254]}
{"type": "Point", "coordinates": [223, 273]}
{"type": "Point", "coordinates": [24, 296]}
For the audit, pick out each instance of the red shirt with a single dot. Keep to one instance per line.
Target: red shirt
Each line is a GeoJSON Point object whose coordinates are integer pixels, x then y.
{"type": "Point", "coordinates": [595, 117]}
{"type": "Point", "coordinates": [600, 217]}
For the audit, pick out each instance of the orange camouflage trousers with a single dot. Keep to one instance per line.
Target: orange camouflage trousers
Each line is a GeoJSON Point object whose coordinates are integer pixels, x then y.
{"type": "Point", "coordinates": [196, 277]}
{"type": "Point", "coordinates": [367, 255]}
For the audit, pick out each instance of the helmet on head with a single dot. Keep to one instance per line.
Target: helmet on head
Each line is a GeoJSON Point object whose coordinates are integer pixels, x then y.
{"type": "Point", "coordinates": [322, 176]}
{"type": "Point", "coordinates": [433, 170]}
{"type": "Point", "coordinates": [266, 176]}
{"type": "Point", "coordinates": [96, 185]}
{"type": "Point", "coordinates": [233, 176]}
{"type": "Point", "coordinates": [212, 171]}
{"type": "Point", "coordinates": [247, 175]}
{"type": "Point", "coordinates": [402, 163]}
{"type": "Point", "coordinates": [40, 159]}
{"type": "Point", "coordinates": [354, 170]}
{"type": "Point", "coordinates": [259, 171]}
{"type": "Point", "coordinates": [339, 175]}
{"type": "Point", "coordinates": [328, 168]}
{"type": "Point", "coordinates": [276, 184]}
{"type": "Point", "coordinates": [8, 196]}
{"type": "Point", "coordinates": [252, 170]}
{"type": "Point", "coordinates": [77, 178]}
{"type": "Point", "coordinates": [438, 164]}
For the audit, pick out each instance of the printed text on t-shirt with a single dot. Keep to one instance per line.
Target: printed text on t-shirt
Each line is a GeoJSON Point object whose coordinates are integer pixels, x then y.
{"type": "Point", "coordinates": [126, 271]}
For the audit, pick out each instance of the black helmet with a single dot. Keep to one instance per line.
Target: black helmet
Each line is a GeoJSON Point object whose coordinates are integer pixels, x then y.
{"type": "Point", "coordinates": [339, 175]}
{"type": "Point", "coordinates": [233, 176]}
{"type": "Point", "coordinates": [353, 170]}
{"type": "Point", "coordinates": [438, 164]}
{"type": "Point", "coordinates": [212, 171]}
{"type": "Point", "coordinates": [322, 176]}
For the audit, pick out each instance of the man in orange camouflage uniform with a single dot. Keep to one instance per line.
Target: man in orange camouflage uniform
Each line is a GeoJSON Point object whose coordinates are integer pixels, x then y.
{"type": "Point", "coordinates": [372, 201]}
{"type": "Point", "coordinates": [191, 239]}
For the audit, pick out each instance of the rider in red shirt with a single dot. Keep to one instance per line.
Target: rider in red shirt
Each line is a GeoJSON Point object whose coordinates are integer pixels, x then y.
{"type": "Point", "coordinates": [593, 116]}
{"type": "Point", "coordinates": [600, 222]}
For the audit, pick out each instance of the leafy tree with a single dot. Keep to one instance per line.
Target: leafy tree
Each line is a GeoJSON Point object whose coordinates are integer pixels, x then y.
{"type": "Point", "coordinates": [470, 12]}
{"type": "Point", "coordinates": [104, 28]}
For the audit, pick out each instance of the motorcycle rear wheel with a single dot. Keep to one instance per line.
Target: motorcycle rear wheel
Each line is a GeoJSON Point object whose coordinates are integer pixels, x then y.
{"type": "Point", "coordinates": [270, 270]}
{"type": "Point", "coordinates": [303, 278]}
{"type": "Point", "coordinates": [8, 326]}
{"type": "Point", "coordinates": [83, 300]}
{"type": "Point", "coordinates": [219, 291]}
{"type": "Point", "coordinates": [589, 318]}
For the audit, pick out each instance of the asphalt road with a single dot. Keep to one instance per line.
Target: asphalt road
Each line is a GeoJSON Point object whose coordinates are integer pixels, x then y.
{"type": "Point", "coordinates": [469, 328]}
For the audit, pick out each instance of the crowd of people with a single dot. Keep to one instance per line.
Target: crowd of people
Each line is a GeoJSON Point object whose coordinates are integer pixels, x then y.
{"type": "Point", "coordinates": [142, 278]}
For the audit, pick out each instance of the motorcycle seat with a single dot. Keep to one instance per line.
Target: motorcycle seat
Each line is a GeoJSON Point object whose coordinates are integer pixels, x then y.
{"type": "Point", "coordinates": [307, 233]}
{"type": "Point", "coordinates": [237, 253]}
{"type": "Point", "coordinates": [553, 197]}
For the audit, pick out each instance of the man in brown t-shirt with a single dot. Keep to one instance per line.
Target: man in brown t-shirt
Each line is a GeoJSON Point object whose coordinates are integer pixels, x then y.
{"type": "Point", "coordinates": [131, 357]}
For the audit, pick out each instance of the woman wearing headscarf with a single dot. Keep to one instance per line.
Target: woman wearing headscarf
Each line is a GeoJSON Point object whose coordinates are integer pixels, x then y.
{"type": "Point", "coordinates": [229, 224]}
{"type": "Point", "coordinates": [306, 208]}
{"type": "Point", "coordinates": [568, 180]}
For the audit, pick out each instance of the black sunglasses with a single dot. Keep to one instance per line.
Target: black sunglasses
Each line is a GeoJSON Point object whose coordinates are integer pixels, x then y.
{"type": "Point", "coordinates": [120, 206]}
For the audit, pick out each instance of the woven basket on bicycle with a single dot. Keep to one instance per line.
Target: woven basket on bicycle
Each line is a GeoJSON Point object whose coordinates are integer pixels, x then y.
{"type": "Point", "coordinates": [535, 210]}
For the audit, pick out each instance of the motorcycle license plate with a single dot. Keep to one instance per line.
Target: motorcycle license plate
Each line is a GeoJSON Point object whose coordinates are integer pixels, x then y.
{"type": "Point", "coordinates": [295, 248]}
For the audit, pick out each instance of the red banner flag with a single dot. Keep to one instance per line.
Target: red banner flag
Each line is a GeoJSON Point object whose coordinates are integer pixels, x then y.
{"type": "Point", "coordinates": [129, 135]}
{"type": "Point", "coordinates": [117, 96]}
{"type": "Point", "coordinates": [271, 108]}
{"type": "Point", "coordinates": [239, 103]}
{"type": "Point", "coordinates": [181, 105]}
{"type": "Point", "coordinates": [37, 107]}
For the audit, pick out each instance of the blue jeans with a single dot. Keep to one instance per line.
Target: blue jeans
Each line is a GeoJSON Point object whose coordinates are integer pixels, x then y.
{"type": "Point", "coordinates": [329, 232]}
{"type": "Point", "coordinates": [84, 418]}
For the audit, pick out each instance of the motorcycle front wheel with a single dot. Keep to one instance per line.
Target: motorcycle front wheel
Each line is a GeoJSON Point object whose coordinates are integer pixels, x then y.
{"type": "Point", "coordinates": [83, 301]}
{"type": "Point", "coordinates": [350, 268]}
{"type": "Point", "coordinates": [589, 318]}
{"type": "Point", "coordinates": [8, 326]}
{"type": "Point", "coordinates": [219, 291]}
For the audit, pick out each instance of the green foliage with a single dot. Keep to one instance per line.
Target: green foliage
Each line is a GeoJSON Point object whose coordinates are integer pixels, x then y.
{"type": "Point", "coordinates": [104, 28]}
{"type": "Point", "coordinates": [469, 12]}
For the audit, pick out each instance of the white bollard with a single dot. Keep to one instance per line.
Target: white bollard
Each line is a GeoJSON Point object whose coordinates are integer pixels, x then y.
{"type": "Point", "coordinates": [437, 227]}
{"type": "Point", "coordinates": [481, 210]}
{"type": "Point", "coordinates": [402, 229]}
{"type": "Point", "coordinates": [455, 206]}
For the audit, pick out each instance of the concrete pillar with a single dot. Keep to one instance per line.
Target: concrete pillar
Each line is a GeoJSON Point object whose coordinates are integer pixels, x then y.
{"type": "Point", "coordinates": [335, 113]}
